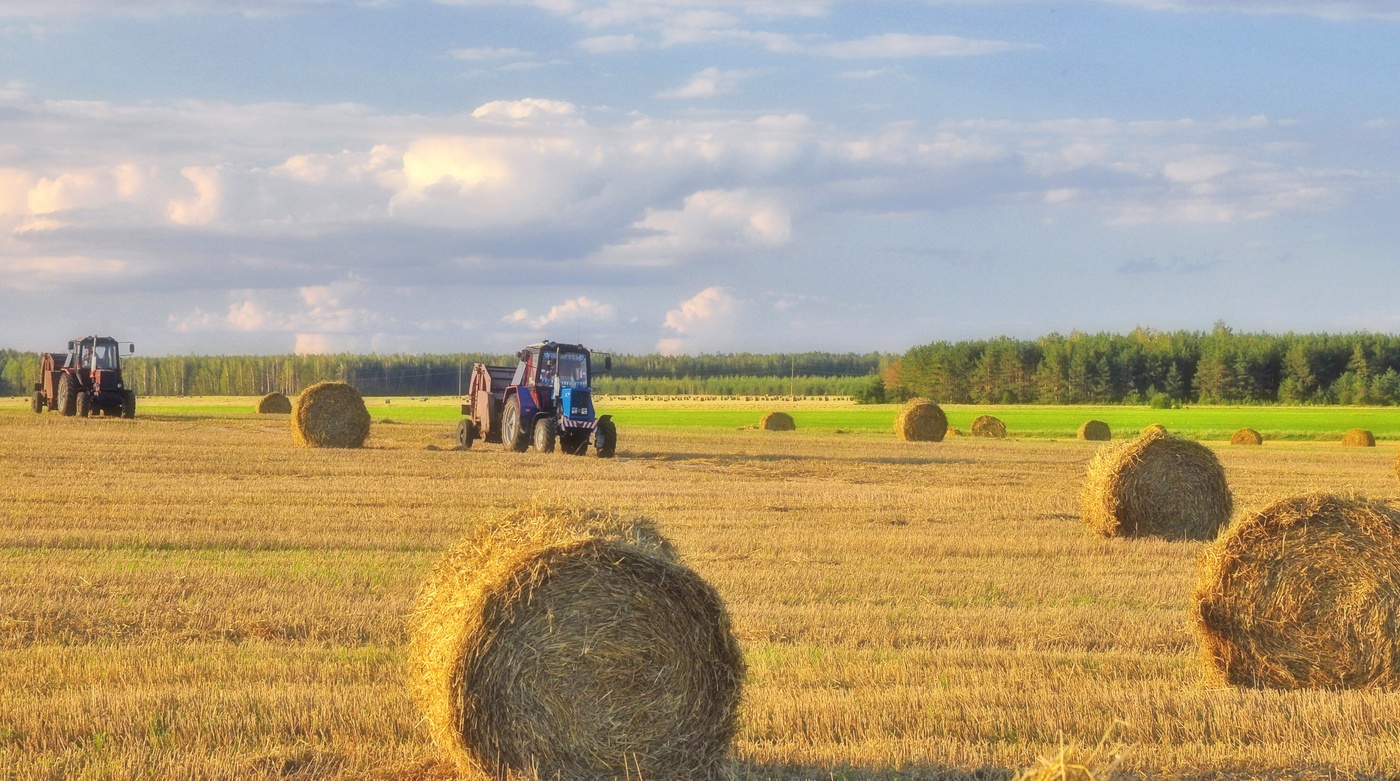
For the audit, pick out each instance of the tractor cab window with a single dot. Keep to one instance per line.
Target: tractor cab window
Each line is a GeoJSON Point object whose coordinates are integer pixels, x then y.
{"type": "Point", "coordinates": [573, 370]}
{"type": "Point", "coordinates": [549, 365]}
{"type": "Point", "coordinates": [104, 356]}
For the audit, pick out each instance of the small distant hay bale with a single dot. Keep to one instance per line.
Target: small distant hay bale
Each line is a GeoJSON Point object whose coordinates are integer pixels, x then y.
{"type": "Point", "coordinates": [952, 432]}
{"type": "Point", "coordinates": [574, 644]}
{"type": "Point", "coordinates": [1095, 431]}
{"type": "Point", "coordinates": [1304, 593]}
{"type": "Point", "coordinates": [330, 414]}
{"type": "Point", "coordinates": [988, 426]}
{"type": "Point", "coordinates": [274, 404]}
{"type": "Point", "coordinates": [1155, 427]}
{"type": "Point", "coordinates": [1246, 436]}
{"type": "Point", "coordinates": [920, 420]}
{"type": "Point", "coordinates": [777, 421]}
{"type": "Point", "coordinates": [1359, 437]}
{"type": "Point", "coordinates": [1156, 485]}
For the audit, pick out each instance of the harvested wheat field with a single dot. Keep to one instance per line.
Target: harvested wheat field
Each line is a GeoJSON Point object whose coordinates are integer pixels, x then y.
{"type": "Point", "coordinates": [238, 607]}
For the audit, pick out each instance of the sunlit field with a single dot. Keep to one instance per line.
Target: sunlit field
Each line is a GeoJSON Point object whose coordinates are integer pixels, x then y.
{"type": "Point", "coordinates": [189, 595]}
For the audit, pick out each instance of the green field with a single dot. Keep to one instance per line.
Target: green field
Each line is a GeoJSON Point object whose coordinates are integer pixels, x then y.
{"type": "Point", "coordinates": [1023, 421]}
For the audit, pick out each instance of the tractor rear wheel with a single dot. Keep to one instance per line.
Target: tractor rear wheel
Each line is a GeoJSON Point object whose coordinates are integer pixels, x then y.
{"type": "Point", "coordinates": [84, 404]}
{"type": "Point", "coordinates": [36, 402]}
{"type": "Point", "coordinates": [605, 439]}
{"type": "Point", "coordinates": [466, 432]}
{"type": "Point", "coordinates": [68, 395]}
{"type": "Point", "coordinates": [513, 431]}
{"type": "Point", "coordinates": [129, 404]}
{"type": "Point", "coordinates": [545, 435]}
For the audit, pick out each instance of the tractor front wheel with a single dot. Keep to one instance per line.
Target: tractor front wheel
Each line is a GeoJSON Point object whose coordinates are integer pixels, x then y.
{"type": "Point", "coordinates": [84, 404]}
{"type": "Point", "coordinates": [466, 432]}
{"type": "Point", "coordinates": [513, 431]}
{"type": "Point", "coordinates": [36, 402]}
{"type": "Point", "coordinates": [574, 444]}
{"type": "Point", "coordinates": [545, 434]}
{"type": "Point", "coordinates": [129, 404]}
{"type": "Point", "coordinates": [68, 396]}
{"type": "Point", "coordinates": [605, 439]}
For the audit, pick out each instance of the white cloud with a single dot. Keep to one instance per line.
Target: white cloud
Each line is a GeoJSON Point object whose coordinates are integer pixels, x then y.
{"type": "Point", "coordinates": [490, 53]}
{"type": "Point", "coordinates": [708, 221]}
{"type": "Point", "coordinates": [700, 322]}
{"type": "Point", "coordinates": [610, 44]}
{"type": "Point", "coordinates": [899, 45]}
{"type": "Point", "coordinates": [204, 206]}
{"type": "Point", "coordinates": [708, 83]}
{"type": "Point", "coordinates": [575, 310]}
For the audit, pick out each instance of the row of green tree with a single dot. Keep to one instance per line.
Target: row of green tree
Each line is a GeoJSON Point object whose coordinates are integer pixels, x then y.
{"type": "Point", "coordinates": [441, 375]}
{"type": "Point", "coordinates": [1147, 366]}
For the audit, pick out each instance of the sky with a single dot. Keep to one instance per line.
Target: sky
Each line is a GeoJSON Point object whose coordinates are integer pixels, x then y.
{"type": "Point", "coordinates": [690, 176]}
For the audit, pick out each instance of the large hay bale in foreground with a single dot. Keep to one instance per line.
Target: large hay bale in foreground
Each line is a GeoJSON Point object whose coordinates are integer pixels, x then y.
{"type": "Point", "coordinates": [777, 421]}
{"type": "Point", "coordinates": [1359, 437]}
{"type": "Point", "coordinates": [1156, 485]}
{"type": "Point", "coordinates": [920, 420]}
{"type": "Point", "coordinates": [1304, 593]}
{"type": "Point", "coordinates": [1095, 431]}
{"type": "Point", "coordinates": [988, 426]}
{"type": "Point", "coordinates": [1246, 436]}
{"type": "Point", "coordinates": [574, 644]}
{"type": "Point", "coordinates": [330, 414]}
{"type": "Point", "coordinates": [274, 404]}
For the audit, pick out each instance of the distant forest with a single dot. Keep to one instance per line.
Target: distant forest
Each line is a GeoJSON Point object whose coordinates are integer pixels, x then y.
{"type": "Point", "coordinates": [1142, 367]}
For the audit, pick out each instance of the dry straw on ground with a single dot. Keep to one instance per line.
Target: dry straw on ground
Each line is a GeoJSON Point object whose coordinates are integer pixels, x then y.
{"type": "Point", "coordinates": [988, 426]}
{"type": "Point", "coordinates": [920, 420]}
{"type": "Point", "coordinates": [1246, 436]}
{"type": "Point", "coordinates": [274, 404]}
{"type": "Point", "coordinates": [1155, 427]}
{"type": "Point", "coordinates": [1359, 437]}
{"type": "Point", "coordinates": [1095, 430]}
{"type": "Point", "coordinates": [1156, 485]}
{"type": "Point", "coordinates": [1073, 763]}
{"type": "Point", "coordinates": [777, 421]}
{"type": "Point", "coordinates": [1304, 593]}
{"type": "Point", "coordinates": [574, 644]}
{"type": "Point", "coordinates": [330, 414]}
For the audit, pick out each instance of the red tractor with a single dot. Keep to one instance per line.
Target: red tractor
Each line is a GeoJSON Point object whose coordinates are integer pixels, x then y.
{"type": "Point", "coordinates": [85, 381]}
{"type": "Point", "coordinates": [547, 399]}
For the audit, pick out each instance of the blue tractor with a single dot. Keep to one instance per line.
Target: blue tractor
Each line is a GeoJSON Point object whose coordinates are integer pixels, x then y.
{"type": "Point", "coordinates": [545, 401]}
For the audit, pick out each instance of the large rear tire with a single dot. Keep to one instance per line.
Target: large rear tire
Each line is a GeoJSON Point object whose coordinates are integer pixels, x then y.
{"type": "Point", "coordinates": [36, 402]}
{"type": "Point", "coordinates": [466, 433]}
{"type": "Point", "coordinates": [545, 435]}
{"type": "Point", "coordinates": [605, 439]}
{"type": "Point", "coordinates": [67, 396]}
{"type": "Point", "coordinates": [513, 431]}
{"type": "Point", "coordinates": [129, 404]}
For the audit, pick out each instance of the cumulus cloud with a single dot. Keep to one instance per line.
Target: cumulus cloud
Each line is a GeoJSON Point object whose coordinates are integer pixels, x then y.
{"type": "Point", "coordinates": [707, 222]}
{"type": "Point", "coordinates": [708, 83]}
{"type": "Point", "coordinates": [700, 322]}
{"type": "Point", "coordinates": [575, 310]}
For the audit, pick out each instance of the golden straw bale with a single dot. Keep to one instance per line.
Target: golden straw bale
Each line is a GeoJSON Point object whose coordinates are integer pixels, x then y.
{"type": "Point", "coordinates": [1158, 427]}
{"type": "Point", "coordinates": [1304, 593]}
{"type": "Point", "coordinates": [1359, 437]}
{"type": "Point", "coordinates": [330, 414]}
{"type": "Point", "coordinates": [920, 420]}
{"type": "Point", "coordinates": [274, 404]}
{"type": "Point", "coordinates": [1246, 436]}
{"type": "Point", "coordinates": [777, 421]}
{"type": "Point", "coordinates": [988, 426]}
{"type": "Point", "coordinates": [1095, 430]}
{"type": "Point", "coordinates": [1156, 485]}
{"type": "Point", "coordinates": [556, 643]}
{"type": "Point", "coordinates": [952, 432]}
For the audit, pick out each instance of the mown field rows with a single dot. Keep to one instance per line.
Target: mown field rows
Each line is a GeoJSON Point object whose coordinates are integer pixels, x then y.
{"type": "Point", "coordinates": [188, 595]}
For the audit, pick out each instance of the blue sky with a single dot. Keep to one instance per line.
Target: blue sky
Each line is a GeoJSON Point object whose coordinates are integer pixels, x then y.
{"type": "Point", "coordinates": [259, 176]}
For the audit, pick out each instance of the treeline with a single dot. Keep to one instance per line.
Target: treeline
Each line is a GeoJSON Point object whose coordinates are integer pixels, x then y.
{"type": "Point", "coordinates": [1146, 366]}
{"type": "Point", "coordinates": [443, 375]}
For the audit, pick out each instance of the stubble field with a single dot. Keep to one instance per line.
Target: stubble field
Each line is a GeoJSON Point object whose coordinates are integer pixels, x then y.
{"type": "Point", "coordinates": [189, 595]}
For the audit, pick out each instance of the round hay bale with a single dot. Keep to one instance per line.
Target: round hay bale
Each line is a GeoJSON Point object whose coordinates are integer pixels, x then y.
{"type": "Point", "coordinates": [574, 644]}
{"type": "Point", "coordinates": [777, 421]}
{"type": "Point", "coordinates": [1359, 437]}
{"type": "Point", "coordinates": [1156, 485]}
{"type": "Point", "coordinates": [330, 414]}
{"type": "Point", "coordinates": [1155, 427]}
{"type": "Point", "coordinates": [1246, 436]}
{"type": "Point", "coordinates": [920, 420]}
{"type": "Point", "coordinates": [988, 426]}
{"type": "Point", "coordinates": [952, 432]}
{"type": "Point", "coordinates": [274, 404]}
{"type": "Point", "coordinates": [1304, 593]}
{"type": "Point", "coordinates": [1095, 430]}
